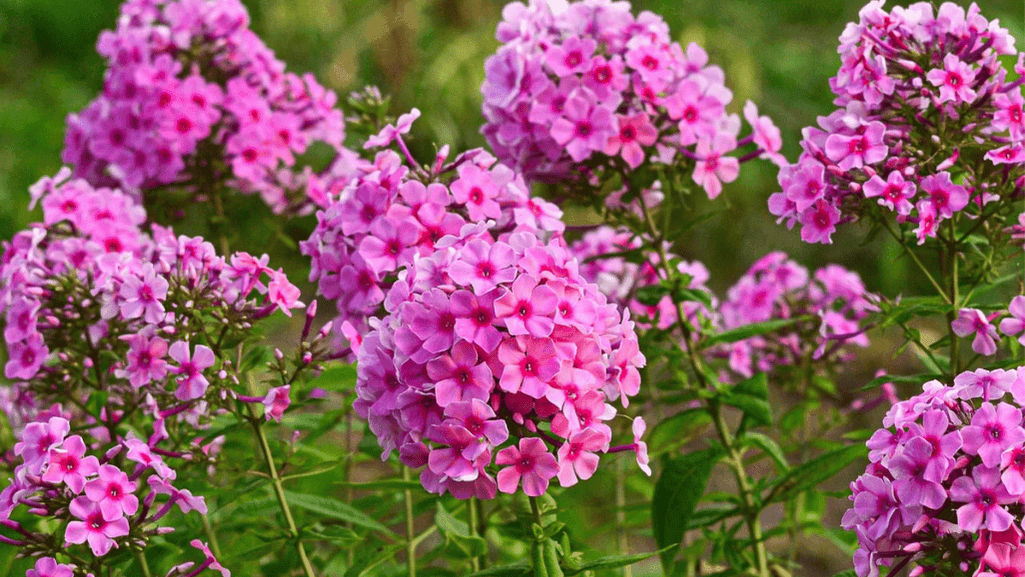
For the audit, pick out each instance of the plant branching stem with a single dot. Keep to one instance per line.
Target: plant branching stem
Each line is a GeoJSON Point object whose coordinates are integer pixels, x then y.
{"type": "Point", "coordinates": [410, 534]}
{"type": "Point", "coordinates": [208, 530]}
{"type": "Point", "coordinates": [471, 508]}
{"type": "Point", "coordinates": [140, 558]}
{"type": "Point", "coordinates": [918, 262]}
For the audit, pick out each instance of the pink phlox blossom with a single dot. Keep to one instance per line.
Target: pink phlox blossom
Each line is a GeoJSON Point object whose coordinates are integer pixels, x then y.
{"type": "Point", "coordinates": [94, 526]}
{"type": "Point", "coordinates": [640, 447]}
{"type": "Point", "coordinates": [113, 491]}
{"type": "Point", "coordinates": [765, 134]}
{"type": "Point", "coordinates": [483, 266]}
{"type": "Point", "coordinates": [37, 439]}
{"type": "Point", "coordinates": [983, 495]}
{"type": "Point", "coordinates": [70, 465]}
{"type": "Point", "coordinates": [213, 563]}
{"type": "Point", "coordinates": [985, 384]}
{"type": "Point", "coordinates": [183, 498]}
{"type": "Point", "coordinates": [477, 417]}
{"type": "Point", "coordinates": [139, 452]}
{"type": "Point", "coordinates": [1015, 323]}
{"type": "Point", "coordinates": [145, 360]}
{"type": "Point", "coordinates": [954, 80]}
{"type": "Point", "coordinates": [819, 222]}
{"type": "Point", "coordinates": [582, 128]}
{"type": "Point", "coordinates": [589, 410]}
{"type": "Point", "coordinates": [192, 384]}
{"type": "Point", "coordinates": [634, 132]}
{"type": "Point", "coordinates": [527, 307]}
{"type": "Point", "coordinates": [571, 57]}
{"type": "Point", "coordinates": [458, 377]}
{"type": "Point", "coordinates": [464, 456]}
{"type": "Point", "coordinates": [605, 77]}
{"type": "Point", "coordinates": [696, 111]}
{"type": "Point", "coordinates": [477, 190]}
{"type": "Point", "coordinates": [48, 567]}
{"type": "Point", "coordinates": [25, 357]}
{"type": "Point", "coordinates": [917, 475]}
{"type": "Point", "coordinates": [946, 196]}
{"type": "Point", "coordinates": [283, 293]}
{"type": "Point", "coordinates": [1007, 154]}
{"type": "Point", "coordinates": [992, 431]}
{"type": "Point", "coordinates": [894, 193]}
{"type": "Point", "coordinates": [927, 220]}
{"type": "Point", "coordinates": [475, 318]}
{"type": "Point", "coordinates": [577, 458]}
{"type": "Point", "coordinates": [390, 243]}
{"type": "Point", "coordinates": [390, 133]}
{"type": "Point", "coordinates": [141, 295]}
{"type": "Point", "coordinates": [714, 168]}
{"type": "Point", "coordinates": [806, 186]}
{"type": "Point", "coordinates": [530, 364]}
{"type": "Point", "coordinates": [1002, 560]}
{"type": "Point", "coordinates": [530, 462]}
{"type": "Point", "coordinates": [856, 150]}
{"type": "Point", "coordinates": [972, 321]}
{"type": "Point", "coordinates": [276, 402]}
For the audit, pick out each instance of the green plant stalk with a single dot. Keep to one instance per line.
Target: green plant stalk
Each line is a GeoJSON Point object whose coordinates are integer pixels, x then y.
{"type": "Point", "coordinates": [410, 534]}
{"type": "Point", "coordinates": [736, 462]}
{"type": "Point", "coordinates": [208, 530]}
{"type": "Point", "coordinates": [921, 266]}
{"type": "Point", "coordinates": [471, 508]}
{"type": "Point", "coordinates": [955, 341]}
{"type": "Point", "coordinates": [279, 490]}
{"type": "Point", "coordinates": [140, 558]}
{"type": "Point", "coordinates": [624, 543]}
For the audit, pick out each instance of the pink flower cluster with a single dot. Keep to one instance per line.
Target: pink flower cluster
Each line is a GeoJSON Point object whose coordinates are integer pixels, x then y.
{"type": "Point", "coordinates": [946, 481]}
{"type": "Point", "coordinates": [777, 288]}
{"type": "Point", "coordinates": [916, 91]}
{"type": "Point", "coordinates": [393, 212]}
{"type": "Point", "coordinates": [587, 82]}
{"type": "Point", "coordinates": [192, 98]}
{"type": "Point", "coordinates": [971, 322]}
{"type": "Point", "coordinates": [87, 282]}
{"type": "Point", "coordinates": [105, 501]}
{"type": "Point", "coordinates": [498, 342]}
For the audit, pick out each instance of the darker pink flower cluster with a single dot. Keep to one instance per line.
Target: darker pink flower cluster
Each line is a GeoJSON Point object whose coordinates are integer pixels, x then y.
{"type": "Point", "coordinates": [393, 212]}
{"type": "Point", "coordinates": [917, 90]}
{"type": "Point", "coordinates": [192, 98]}
{"type": "Point", "coordinates": [89, 275]}
{"type": "Point", "coordinates": [833, 301]}
{"type": "Point", "coordinates": [496, 366]}
{"type": "Point", "coordinates": [588, 82]}
{"type": "Point", "coordinates": [946, 481]}
{"type": "Point", "coordinates": [105, 501]}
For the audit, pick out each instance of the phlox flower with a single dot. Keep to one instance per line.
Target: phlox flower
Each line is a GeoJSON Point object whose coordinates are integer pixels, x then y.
{"type": "Point", "coordinates": [145, 360]}
{"type": "Point", "coordinates": [191, 382]}
{"type": "Point", "coordinates": [476, 189]}
{"type": "Point", "coordinates": [582, 128]}
{"type": "Point", "coordinates": [946, 196]}
{"type": "Point", "coordinates": [819, 222]}
{"type": "Point", "coordinates": [634, 132]}
{"type": "Point", "coordinates": [113, 491]}
{"type": "Point", "coordinates": [1003, 560]}
{"type": "Point", "coordinates": [713, 168]}
{"type": "Point", "coordinates": [38, 439]}
{"type": "Point", "coordinates": [954, 80]}
{"type": "Point", "coordinates": [530, 462]}
{"type": "Point", "coordinates": [48, 567]}
{"type": "Point", "coordinates": [141, 295]}
{"type": "Point", "coordinates": [894, 193]}
{"type": "Point", "coordinates": [530, 363]}
{"type": "Point", "coordinates": [527, 308]}
{"type": "Point", "coordinates": [475, 318]}
{"type": "Point", "coordinates": [276, 401]}
{"type": "Point", "coordinates": [458, 377]}
{"type": "Point", "coordinates": [283, 293]}
{"type": "Point", "coordinates": [70, 465]}
{"type": "Point", "coordinates": [983, 494]}
{"type": "Point", "coordinates": [1016, 322]}
{"type": "Point", "coordinates": [25, 357]}
{"type": "Point", "coordinates": [577, 459]}
{"type": "Point", "coordinates": [973, 321]}
{"type": "Point", "coordinates": [640, 447]}
{"type": "Point", "coordinates": [863, 147]}
{"type": "Point", "coordinates": [94, 526]}
{"type": "Point", "coordinates": [391, 132]}
{"type": "Point", "coordinates": [993, 430]}
{"type": "Point", "coordinates": [483, 266]}
{"type": "Point", "coordinates": [766, 134]}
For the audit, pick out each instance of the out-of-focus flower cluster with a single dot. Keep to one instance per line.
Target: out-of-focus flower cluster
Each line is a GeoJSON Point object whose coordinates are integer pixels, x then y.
{"type": "Point", "coordinates": [493, 341]}
{"type": "Point", "coordinates": [928, 126]}
{"type": "Point", "coordinates": [946, 480]}
{"type": "Point", "coordinates": [108, 501]}
{"type": "Point", "coordinates": [833, 303]}
{"type": "Point", "coordinates": [394, 211]}
{"type": "Point", "coordinates": [94, 304]}
{"type": "Point", "coordinates": [194, 100]}
{"type": "Point", "coordinates": [982, 328]}
{"type": "Point", "coordinates": [577, 88]}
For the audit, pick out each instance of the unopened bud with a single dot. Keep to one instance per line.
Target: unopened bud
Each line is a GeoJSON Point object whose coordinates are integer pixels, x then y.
{"type": "Point", "coordinates": [950, 161]}
{"type": "Point", "coordinates": [278, 354]}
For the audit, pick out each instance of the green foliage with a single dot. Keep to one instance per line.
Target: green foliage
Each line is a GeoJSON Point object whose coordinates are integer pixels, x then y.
{"type": "Point", "coordinates": [677, 492]}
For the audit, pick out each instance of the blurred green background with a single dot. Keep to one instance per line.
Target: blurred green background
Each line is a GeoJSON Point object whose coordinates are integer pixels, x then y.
{"type": "Point", "coordinates": [430, 54]}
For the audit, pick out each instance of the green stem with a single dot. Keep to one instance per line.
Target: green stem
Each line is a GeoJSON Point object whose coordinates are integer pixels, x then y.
{"type": "Point", "coordinates": [624, 542]}
{"type": "Point", "coordinates": [208, 530]}
{"type": "Point", "coordinates": [140, 558]}
{"type": "Point", "coordinates": [921, 266]}
{"type": "Point", "coordinates": [471, 508]}
{"type": "Point", "coordinates": [535, 510]}
{"type": "Point", "coordinates": [410, 535]}
{"type": "Point", "coordinates": [955, 342]}
{"type": "Point", "coordinates": [279, 490]}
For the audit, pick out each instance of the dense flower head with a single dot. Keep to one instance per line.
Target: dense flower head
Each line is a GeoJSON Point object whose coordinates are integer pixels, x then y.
{"type": "Point", "coordinates": [89, 273]}
{"type": "Point", "coordinates": [832, 301]}
{"type": "Point", "coordinates": [921, 96]}
{"type": "Point", "coordinates": [519, 372]}
{"type": "Point", "coordinates": [393, 212]}
{"type": "Point", "coordinates": [946, 478]}
{"type": "Point", "coordinates": [588, 83]}
{"type": "Point", "coordinates": [102, 500]}
{"type": "Point", "coordinates": [191, 95]}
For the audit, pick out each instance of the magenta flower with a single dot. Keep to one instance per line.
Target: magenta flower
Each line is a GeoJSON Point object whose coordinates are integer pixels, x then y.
{"type": "Point", "coordinates": [926, 220]}
{"type": "Point", "coordinates": [95, 527]}
{"type": "Point", "coordinates": [145, 360]}
{"type": "Point", "coordinates": [527, 308]}
{"type": "Point", "coordinates": [113, 491]}
{"type": "Point", "coordinates": [25, 357]}
{"type": "Point", "coordinates": [582, 128]}
{"type": "Point", "coordinates": [283, 293]}
{"type": "Point", "coordinates": [389, 133]}
{"type": "Point", "coordinates": [634, 132]}
{"type": "Point", "coordinates": [766, 134]}
{"type": "Point", "coordinates": [37, 439]}
{"type": "Point", "coordinates": [483, 266]}
{"type": "Point", "coordinates": [1009, 115]}
{"type": "Point", "coordinates": [48, 567]}
{"type": "Point", "coordinates": [983, 494]}
{"type": "Point", "coordinates": [139, 452]}
{"type": "Point", "coordinates": [993, 430]}
{"type": "Point", "coordinates": [463, 457]}
{"type": "Point", "coordinates": [640, 447]}
{"type": "Point", "coordinates": [865, 146]}
{"type": "Point", "coordinates": [475, 316]}
{"type": "Point", "coordinates": [894, 193]}
{"type": "Point", "coordinates": [275, 403]}
{"type": "Point", "coordinates": [713, 168]}
{"type": "Point", "coordinates": [390, 242]}
{"type": "Point", "coordinates": [806, 187]}
{"type": "Point", "coordinates": [1002, 560]}
{"type": "Point", "coordinates": [954, 80]}
{"type": "Point", "coordinates": [476, 189]}
{"type": "Point", "coordinates": [531, 462]}
{"type": "Point", "coordinates": [1012, 463]}
{"type": "Point", "coordinates": [458, 377]}
{"type": "Point", "coordinates": [530, 364]}
{"type": "Point", "coordinates": [1016, 322]}
{"type": "Point", "coordinates": [973, 321]}
{"type": "Point", "coordinates": [984, 384]}
{"type": "Point", "coordinates": [697, 112]}
{"type": "Point", "coordinates": [577, 458]}
{"type": "Point", "coordinates": [477, 417]}
{"type": "Point", "coordinates": [191, 382]}
{"type": "Point", "coordinates": [571, 57]}
{"type": "Point", "coordinates": [142, 295]}
{"type": "Point", "coordinates": [917, 475]}
{"type": "Point", "coordinates": [946, 196]}
{"type": "Point", "coordinates": [69, 465]}
{"type": "Point", "coordinates": [819, 222]}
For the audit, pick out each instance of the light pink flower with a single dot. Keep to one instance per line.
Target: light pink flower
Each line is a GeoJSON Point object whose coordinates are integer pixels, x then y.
{"type": "Point", "coordinates": [95, 527]}
{"type": "Point", "coordinates": [531, 462]}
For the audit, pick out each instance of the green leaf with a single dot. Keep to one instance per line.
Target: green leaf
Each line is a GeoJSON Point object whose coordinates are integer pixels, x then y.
{"type": "Point", "coordinates": [460, 543]}
{"type": "Point", "coordinates": [810, 474]}
{"type": "Point", "coordinates": [847, 573]}
{"type": "Point", "coordinates": [383, 484]}
{"type": "Point", "coordinates": [256, 357]}
{"type": "Point", "coordinates": [752, 397]}
{"type": "Point", "coordinates": [769, 447]}
{"type": "Point", "coordinates": [334, 509]}
{"type": "Point", "coordinates": [614, 561]}
{"type": "Point", "coordinates": [899, 379]}
{"type": "Point", "coordinates": [369, 557]}
{"type": "Point", "coordinates": [677, 492]}
{"type": "Point", "coordinates": [650, 295]}
{"type": "Point", "coordinates": [335, 377]}
{"type": "Point", "coordinates": [341, 536]}
{"type": "Point", "coordinates": [678, 430]}
{"type": "Point", "coordinates": [748, 331]}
